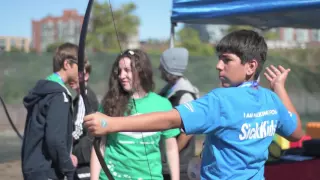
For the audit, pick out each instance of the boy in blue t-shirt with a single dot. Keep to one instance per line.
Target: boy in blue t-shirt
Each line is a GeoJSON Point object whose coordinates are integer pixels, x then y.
{"type": "Point", "coordinates": [239, 120]}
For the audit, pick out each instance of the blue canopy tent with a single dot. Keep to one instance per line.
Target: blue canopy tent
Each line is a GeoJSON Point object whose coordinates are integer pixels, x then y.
{"type": "Point", "coordinates": [262, 14]}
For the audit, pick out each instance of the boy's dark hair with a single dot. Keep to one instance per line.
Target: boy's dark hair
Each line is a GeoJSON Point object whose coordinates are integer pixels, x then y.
{"type": "Point", "coordinates": [247, 45]}
{"type": "Point", "coordinates": [66, 51]}
{"type": "Point", "coordinates": [116, 100]}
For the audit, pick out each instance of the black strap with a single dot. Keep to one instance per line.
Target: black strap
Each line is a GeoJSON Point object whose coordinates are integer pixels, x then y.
{"type": "Point", "coordinates": [175, 99]}
{"type": "Point", "coordinates": [182, 92]}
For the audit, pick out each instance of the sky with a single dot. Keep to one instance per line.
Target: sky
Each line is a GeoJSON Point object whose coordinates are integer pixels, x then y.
{"type": "Point", "coordinates": [16, 15]}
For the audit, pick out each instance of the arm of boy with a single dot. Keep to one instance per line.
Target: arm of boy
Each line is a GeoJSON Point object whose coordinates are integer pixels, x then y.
{"type": "Point", "coordinates": [205, 109]}
{"type": "Point", "coordinates": [184, 139]}
{"type": "Point", "coordinates": [290, 123]}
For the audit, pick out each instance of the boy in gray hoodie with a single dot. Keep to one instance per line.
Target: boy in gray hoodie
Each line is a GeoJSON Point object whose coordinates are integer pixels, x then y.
{"type": "Point", "coordinates": [179, 90]}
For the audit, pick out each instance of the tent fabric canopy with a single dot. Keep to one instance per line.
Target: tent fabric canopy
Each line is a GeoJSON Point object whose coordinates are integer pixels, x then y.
{"type": "Point", "coordinates": [257, 13]}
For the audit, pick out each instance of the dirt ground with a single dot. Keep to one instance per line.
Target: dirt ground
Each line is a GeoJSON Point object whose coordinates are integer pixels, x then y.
{"type": "Point", "coordinates": [10, 171]}
{"type": "Point", "coordinates": [10, 165]}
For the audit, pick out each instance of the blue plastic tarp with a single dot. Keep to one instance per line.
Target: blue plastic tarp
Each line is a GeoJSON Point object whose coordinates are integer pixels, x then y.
{"type": "Point", "coordinates": [257, 13]}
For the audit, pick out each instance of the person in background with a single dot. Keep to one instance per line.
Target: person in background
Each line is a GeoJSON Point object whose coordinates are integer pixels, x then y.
{"type": "Point", "coordinates": [134, 155]}
{"type": "Point", "coordinates": [47, 143]}
{"type": "Point", "coordinates": [179, 90]}
{"type": "Point", "coordinates": [82, 142]}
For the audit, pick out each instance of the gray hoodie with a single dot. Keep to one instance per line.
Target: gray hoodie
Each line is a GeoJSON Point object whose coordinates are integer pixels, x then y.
{"type": "Point", "coordinates": [184, 84]}
{"type": "Point", "coordinates": [189, 151]}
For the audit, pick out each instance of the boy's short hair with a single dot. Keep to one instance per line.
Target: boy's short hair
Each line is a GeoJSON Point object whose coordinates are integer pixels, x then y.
{"type": "Point", "coordinates": [63, 52]}
{"type": "Point", "coordinates": [247, 45]}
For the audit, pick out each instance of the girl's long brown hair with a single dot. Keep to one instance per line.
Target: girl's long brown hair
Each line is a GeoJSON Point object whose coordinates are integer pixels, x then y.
{"type": "Point", "coordinates": [116, 100]}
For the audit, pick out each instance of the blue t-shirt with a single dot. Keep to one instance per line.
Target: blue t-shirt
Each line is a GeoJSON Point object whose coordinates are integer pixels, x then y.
{"type": "Point", "coordinates": [239, 123]}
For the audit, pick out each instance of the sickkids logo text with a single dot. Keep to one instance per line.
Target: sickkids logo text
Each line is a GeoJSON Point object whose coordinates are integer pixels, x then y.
{"type": "Point", "coordinates": [258, 130]}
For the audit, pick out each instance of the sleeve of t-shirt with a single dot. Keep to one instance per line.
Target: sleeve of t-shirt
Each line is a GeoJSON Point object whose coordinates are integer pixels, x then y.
{"type": "Point", "coordinates": [202, 115]}
{"type": "Point", "coordinates": [100, 108]}
{"type": "Point", "coordinates": [170, 132]}
{"type": "Point", "coordinates": [287, 121]}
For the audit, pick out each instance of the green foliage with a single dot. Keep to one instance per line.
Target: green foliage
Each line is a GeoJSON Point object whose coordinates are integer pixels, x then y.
{"type": "Point", "coordinates": [189, 39]}
{"type": "Point", "coordinates": [15, 49]}
{"type": "Point", "coordinates": [52, 47]}
{"type": "Point", "coordinates": [236, 28]}
{"type": "Point", "coordinates": [102, 35]}
{"type": "Point", "coordinates": [269, 34]}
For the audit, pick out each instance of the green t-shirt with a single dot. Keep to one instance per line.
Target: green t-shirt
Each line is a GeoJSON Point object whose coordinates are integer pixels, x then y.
{"type": "Point", "coordinates": [128, 155]}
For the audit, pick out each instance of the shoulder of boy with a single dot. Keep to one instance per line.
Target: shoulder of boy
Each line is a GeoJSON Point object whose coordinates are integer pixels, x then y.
{"type": "Point", "coordinates": [65, 97]}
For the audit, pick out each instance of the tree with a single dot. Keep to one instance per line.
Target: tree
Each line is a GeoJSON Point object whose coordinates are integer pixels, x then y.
{"type": "Point", "coordinates": [15, 49]}
{"type": "Point", "coordinates": [52, 47]}
{"type": "Point", "coordinates": [189, 39]}
{"type": "Point", "coordinates": [271, 35]}
{"type": "Point", "coordinates": [268, 34]}
{"type": "Point", "coordinates": [236, 28]}
{"type": "Point", "coordinates": [102, 34]}
{"type": "Point", "coordinates": [202, 30]}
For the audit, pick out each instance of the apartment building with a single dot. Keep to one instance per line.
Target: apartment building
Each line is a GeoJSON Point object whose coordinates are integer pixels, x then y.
{"type": "Point", "coordinates": [65, 28]}
{"type": "Point", "coordinates": [7, 43]}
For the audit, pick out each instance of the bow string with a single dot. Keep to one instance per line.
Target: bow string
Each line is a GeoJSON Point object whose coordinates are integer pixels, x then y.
{"type": "Point", "coordinates": [134, 102]}
{"type": "Point", "coordinates": [97, 140]}
{"type": "Point", "coordinates": [81, 74]}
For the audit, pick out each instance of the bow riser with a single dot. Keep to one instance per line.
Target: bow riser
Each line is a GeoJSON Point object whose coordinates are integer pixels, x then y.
{"type": "Point", "coordinates": [81, 73]}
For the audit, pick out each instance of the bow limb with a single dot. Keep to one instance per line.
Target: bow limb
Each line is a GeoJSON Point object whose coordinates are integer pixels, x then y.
{"type": "Point", "coordinates": [81, 73]}
{"type": "Point", "coordinates": [10, 119]}
{"type": "Point", "coordinates": [134, 104]}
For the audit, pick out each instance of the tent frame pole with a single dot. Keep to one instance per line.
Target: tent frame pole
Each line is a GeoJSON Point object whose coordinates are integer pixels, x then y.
{"type": "Point", "coordinates": [172, 32]}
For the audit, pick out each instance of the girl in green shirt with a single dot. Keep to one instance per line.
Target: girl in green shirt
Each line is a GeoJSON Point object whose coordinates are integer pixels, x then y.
{"type": "Point", "coordinates": [134, 155]}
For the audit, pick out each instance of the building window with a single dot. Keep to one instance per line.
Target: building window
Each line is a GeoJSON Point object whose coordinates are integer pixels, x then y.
{"type": "Point", "coordinates": [288, 34]}
{"type": "Point", "coordinates": [314, 35]}
{"type": "Point", "coordinates": [2, 42]}
{"type": "Point", "coordinates": [12, 43]}
{"type": "Point", "coordinates": [47, 34]}
{"type": "Point", "coordinates": [71, 27]}
{"type": "Point", "coordinates": [302, 35]}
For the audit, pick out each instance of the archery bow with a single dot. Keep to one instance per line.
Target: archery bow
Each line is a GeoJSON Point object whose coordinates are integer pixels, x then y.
{"type": "Point", "coordinates": [97, 140]}
{"type": "Point", "coordinates": [81, 73]}
{"type": "Point", "coordinates": [10, 119]}
{"type": "Point", "coordinates": [134, 102]}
